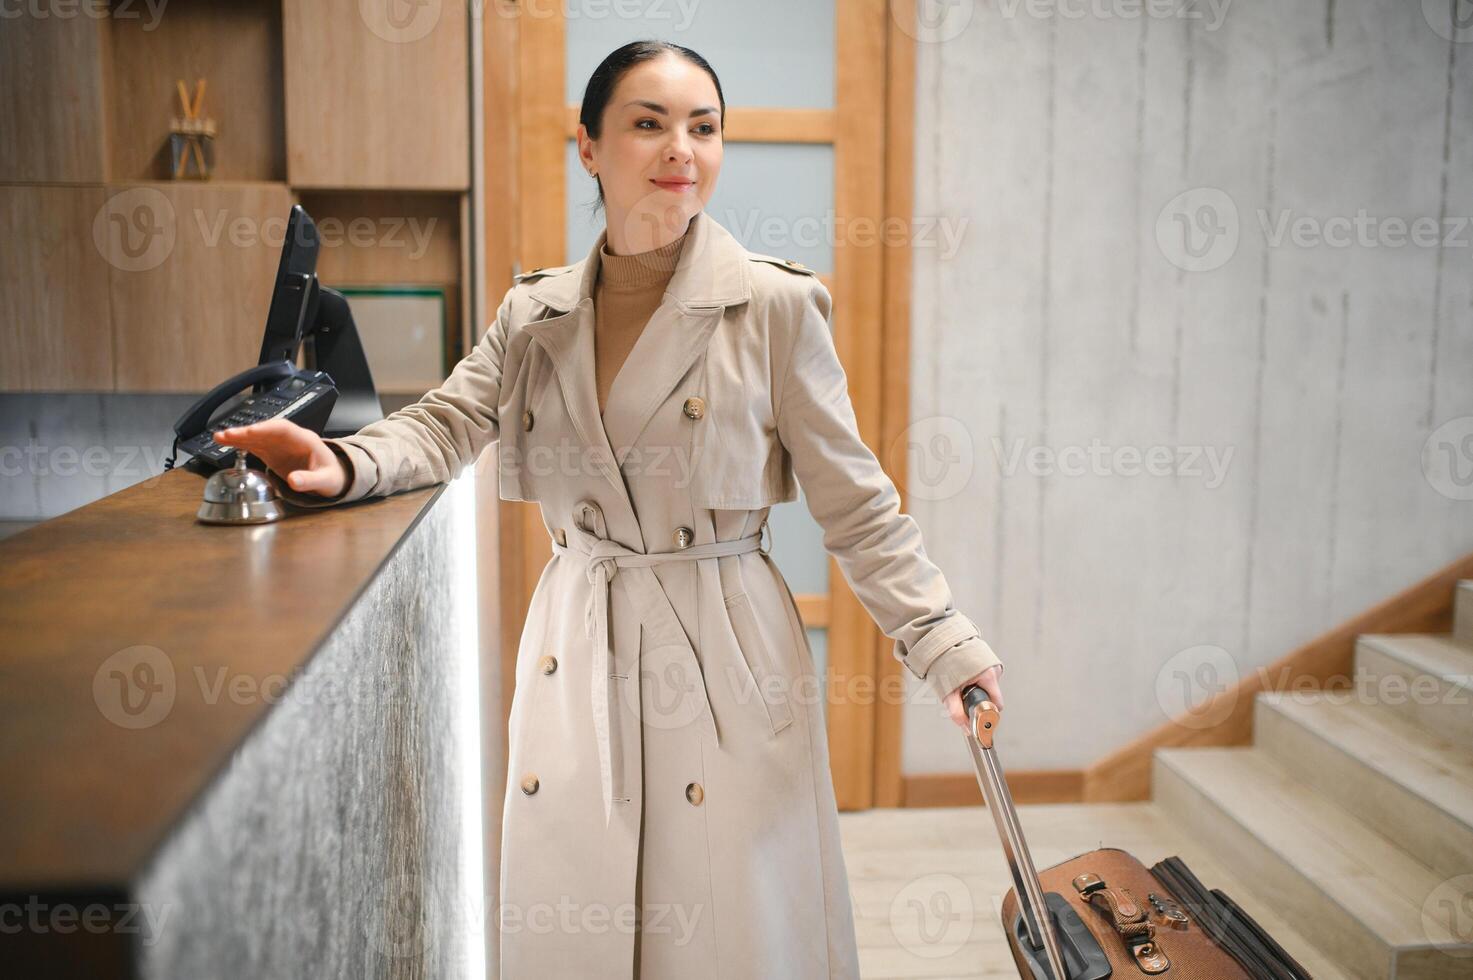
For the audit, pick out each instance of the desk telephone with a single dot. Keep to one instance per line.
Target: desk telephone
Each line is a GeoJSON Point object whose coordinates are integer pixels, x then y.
{"type": "Point", "coordinates": [334, 396]}
{"type": "Point", "coordinates": [305, 397]}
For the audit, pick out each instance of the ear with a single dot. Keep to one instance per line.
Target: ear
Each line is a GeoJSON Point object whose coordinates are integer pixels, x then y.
{"type": "Point", "coordinates": [585, 146]}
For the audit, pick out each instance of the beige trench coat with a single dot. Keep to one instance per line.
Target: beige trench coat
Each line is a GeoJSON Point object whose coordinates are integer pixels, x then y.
{"type": "Point", "coordinates": [667, 748]}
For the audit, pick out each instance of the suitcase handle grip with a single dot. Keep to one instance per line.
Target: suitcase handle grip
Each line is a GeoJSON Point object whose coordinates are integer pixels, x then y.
{"type": "Point", "coordinates": [982, 715]}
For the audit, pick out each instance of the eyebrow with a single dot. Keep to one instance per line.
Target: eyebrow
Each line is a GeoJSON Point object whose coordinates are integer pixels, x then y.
{"type": "Point", "coordinates": [704, 110]}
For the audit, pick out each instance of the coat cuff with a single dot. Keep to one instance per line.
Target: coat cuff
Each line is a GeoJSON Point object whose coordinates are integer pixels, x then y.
{"type": "Point", "coordinates": [359, 479]}
{"type": "Point", "coordinates": [949, 655]}
{"type": "Point", "coordinates": [961, 663]}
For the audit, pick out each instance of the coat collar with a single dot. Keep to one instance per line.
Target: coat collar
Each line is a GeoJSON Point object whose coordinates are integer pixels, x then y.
{"type": "Point", "coordinates": [712, 273]}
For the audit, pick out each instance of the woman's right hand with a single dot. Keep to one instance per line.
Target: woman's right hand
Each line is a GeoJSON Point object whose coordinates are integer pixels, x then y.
{"type": "Point", "coordinates": [296, 454]}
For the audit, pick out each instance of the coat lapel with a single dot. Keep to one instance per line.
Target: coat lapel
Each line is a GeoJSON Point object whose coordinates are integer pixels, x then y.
{"type": "Point", "coordinates": [711, 275]}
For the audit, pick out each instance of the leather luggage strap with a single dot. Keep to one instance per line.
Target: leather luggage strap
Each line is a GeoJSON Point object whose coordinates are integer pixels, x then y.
{"type": "Point", "coordinates": [1128, 918]}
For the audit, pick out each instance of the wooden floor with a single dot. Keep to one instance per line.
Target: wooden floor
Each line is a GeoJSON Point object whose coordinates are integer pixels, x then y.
{"type": "Point", "coordinates": [927, 884]}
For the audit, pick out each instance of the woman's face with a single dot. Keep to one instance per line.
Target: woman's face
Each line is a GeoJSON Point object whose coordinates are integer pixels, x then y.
{"type": "Point", "coordinates": [659, 153]}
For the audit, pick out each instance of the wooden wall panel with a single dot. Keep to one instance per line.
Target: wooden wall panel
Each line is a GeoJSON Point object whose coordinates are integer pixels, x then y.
{"type": "Point", "coordinates": [859, 160]}
{"type": "Point", "coordinates": [51, 115]}
{"type": "Point", "coordinates": [190, 305]}
{"type": "Point", "coordinates": [374, 105]}
{"type": "Point", "coordinates": [54, 301]}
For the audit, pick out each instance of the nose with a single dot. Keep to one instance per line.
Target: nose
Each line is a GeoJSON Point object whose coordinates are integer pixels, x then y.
{"type": "Point", "coordinates": [678, 150]}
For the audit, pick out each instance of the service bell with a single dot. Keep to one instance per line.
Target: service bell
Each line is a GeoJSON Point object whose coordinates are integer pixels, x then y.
{"type": "Point", "coordinates": [240, 495]}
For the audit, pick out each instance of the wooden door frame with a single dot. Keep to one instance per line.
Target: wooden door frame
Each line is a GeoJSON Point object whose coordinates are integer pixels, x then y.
{"type": "Point", "coordinates": [527, 119]}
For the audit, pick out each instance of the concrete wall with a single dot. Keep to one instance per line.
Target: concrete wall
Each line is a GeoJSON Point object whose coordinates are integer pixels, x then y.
{"type": "Point", "coordinates": [1121, 172]}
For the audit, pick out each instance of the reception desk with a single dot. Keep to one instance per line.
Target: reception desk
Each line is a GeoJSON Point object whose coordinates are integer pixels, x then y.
{"type": "Point", "coordinates": [241, 751]}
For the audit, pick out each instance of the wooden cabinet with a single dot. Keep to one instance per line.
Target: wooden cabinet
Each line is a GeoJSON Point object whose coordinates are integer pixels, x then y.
{"type": "Point", "coordinates": [120, 279]}
{"type": "Point", "coordinates": [53, 291]}
{"type": "Point", "coordinates": [377, 94]}
{"type": "Point", "coordinates": [188, 307]}
{"type": "Point", "coordinates": [51, 115]}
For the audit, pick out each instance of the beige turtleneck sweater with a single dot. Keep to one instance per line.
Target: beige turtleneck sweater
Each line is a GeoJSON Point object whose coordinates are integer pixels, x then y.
{"type": "Point", "coordinates": [628, 290]}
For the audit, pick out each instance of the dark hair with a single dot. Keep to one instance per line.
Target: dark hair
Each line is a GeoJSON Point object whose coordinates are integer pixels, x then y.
{"type": "Point", "coordinates": [606, 77]}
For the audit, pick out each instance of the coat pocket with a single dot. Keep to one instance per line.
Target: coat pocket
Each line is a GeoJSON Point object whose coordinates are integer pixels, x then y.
{"type": "Point", "coordinates": [770, 685]}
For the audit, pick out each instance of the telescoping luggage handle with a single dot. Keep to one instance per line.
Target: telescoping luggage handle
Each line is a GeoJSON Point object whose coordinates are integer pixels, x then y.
{"type": "Point", "coordinates": [982, 719]}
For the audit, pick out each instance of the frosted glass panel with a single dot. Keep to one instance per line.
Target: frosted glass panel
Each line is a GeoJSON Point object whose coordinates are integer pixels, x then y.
{"type": "Point", "coordinates": [766, 52]}
{"type": "Point", "coordinates": [776, 198]}
{"type": "Point", "coordinates": [797, 546]}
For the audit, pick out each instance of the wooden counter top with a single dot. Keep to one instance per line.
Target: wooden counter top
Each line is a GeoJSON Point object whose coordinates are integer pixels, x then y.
{"type": "Point", "coordinates": [86, 795]}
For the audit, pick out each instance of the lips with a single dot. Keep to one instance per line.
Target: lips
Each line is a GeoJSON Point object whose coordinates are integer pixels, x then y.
{"type": "Point", "coordinates": [673, 183]}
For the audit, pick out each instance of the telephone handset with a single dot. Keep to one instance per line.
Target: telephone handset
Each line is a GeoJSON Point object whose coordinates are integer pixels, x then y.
{"type": "Point", "coordinates": [286, 391]}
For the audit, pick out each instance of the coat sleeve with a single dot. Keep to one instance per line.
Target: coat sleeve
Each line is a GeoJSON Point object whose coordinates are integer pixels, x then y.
{"type": "Point", "coordinates": [878, 548]}
{"type": "Point", "coordinates": [427, 442]}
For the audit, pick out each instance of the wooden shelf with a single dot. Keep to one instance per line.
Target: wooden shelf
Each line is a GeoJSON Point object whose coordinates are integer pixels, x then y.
{"type": "Point", "coordinates": [237, 47]}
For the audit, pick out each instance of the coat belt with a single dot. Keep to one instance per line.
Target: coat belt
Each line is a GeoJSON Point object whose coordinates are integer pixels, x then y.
{"type": "Point", "coordinates": [604, 558]}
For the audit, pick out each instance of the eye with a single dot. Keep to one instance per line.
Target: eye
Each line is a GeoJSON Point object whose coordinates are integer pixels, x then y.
{"type": "Point", "coordinates": [706, 129]}
{"type": "Point", "coordinates": [640, 124]}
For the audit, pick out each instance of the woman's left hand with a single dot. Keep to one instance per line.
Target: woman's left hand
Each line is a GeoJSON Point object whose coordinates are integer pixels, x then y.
{"type": "Point", "coordinates": [990, 680]}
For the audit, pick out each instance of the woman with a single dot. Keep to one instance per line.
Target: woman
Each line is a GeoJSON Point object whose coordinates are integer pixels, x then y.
{"type": "Point", "coordinates": [670, 811]}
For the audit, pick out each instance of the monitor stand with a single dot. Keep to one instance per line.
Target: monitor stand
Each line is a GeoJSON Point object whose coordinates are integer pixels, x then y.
{"type": "Point", "coordinates": [334, 347]}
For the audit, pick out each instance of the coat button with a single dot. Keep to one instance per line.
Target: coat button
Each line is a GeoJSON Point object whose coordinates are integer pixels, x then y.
{"type": "Point", "coordinates": [683, 537]}
{"type": "Point", "coordinates": [527, 420]}
{"type": "Point", "coordinates": [529, 783]}
{"type": "Point", "coordinates": [547, 664]}
{"type": "Point", "coordinates": [694, 793]}
{"type": "Point", "coordinates": [695, 407]}
{"type": "Point", "coordinates": [561, 536]}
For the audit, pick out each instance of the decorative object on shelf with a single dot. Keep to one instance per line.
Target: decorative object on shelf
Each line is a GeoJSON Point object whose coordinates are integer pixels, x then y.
{"type": "Point", "coordinates": [192, 138]}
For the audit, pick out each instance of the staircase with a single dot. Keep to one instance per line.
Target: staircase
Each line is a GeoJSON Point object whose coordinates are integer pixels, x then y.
{"type": "Point", "coordinates": [1352, 813]}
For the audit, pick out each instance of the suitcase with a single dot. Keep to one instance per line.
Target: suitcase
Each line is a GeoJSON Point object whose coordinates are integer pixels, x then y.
{"type": "Point", "coordinates": [1104, 913]}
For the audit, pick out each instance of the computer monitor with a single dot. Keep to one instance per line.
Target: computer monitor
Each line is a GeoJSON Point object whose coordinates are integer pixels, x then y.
{"type": "Point", "coordinates": [295, 293]}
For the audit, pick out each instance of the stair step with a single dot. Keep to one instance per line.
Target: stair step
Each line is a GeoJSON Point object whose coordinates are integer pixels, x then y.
{"type": "Point", "coordinates": [1381, 913]}
{"type": "Point", "coordinates": [1463, 614]}
{"type": "Point", "coordinates": [1402, 780]}
{"type": "Point", "coordinates": [1425, 678]}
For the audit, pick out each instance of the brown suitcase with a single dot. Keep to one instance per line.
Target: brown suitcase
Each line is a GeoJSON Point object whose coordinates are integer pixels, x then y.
{"type": "Point", "coordinates": [1108, 915]}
